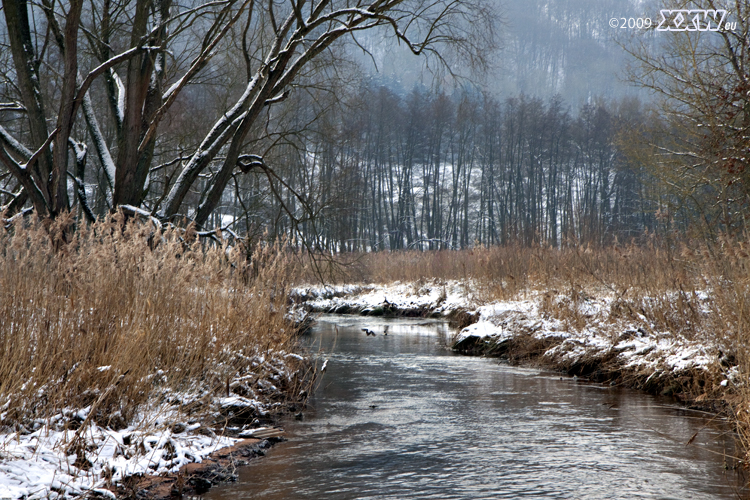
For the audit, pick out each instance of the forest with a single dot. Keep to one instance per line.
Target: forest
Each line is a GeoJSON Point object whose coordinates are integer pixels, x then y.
{"type": "Point", "coordinates": [423, 170]}
{"type": "Point", "coordinates": [340, 160]}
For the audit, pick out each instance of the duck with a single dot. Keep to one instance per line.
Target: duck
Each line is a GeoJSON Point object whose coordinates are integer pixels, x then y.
{"type": "Point", "coordinates": [368, 332]}
{"type": "Point", "coordinates": [385, 331]}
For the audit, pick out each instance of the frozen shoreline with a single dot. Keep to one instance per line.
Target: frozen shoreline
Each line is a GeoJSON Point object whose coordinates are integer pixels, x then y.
{"type": "Point", "coordinates": [583, 335]}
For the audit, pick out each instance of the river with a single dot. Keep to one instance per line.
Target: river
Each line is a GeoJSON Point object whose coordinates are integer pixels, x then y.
{"type": "Point", "coordinates": [401, 416]}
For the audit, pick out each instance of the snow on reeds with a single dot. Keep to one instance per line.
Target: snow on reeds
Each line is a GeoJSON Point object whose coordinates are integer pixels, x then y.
{"type": "Point", "coordinates": [111, 329]}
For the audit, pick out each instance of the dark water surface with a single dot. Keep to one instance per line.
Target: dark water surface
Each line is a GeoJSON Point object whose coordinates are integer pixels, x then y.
{"type": "Point", "coordinates": [400, 416]}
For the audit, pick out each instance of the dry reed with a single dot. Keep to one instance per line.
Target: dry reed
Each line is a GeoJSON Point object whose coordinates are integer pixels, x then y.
{"type": "Point", "coordinates": [112, 315]}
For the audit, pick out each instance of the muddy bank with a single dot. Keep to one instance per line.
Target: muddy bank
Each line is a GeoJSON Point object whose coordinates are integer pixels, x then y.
{"type": "Point", "coordinates": [195, 479]}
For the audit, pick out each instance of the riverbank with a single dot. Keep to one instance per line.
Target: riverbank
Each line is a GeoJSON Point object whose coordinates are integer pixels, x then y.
{"type": "Point", "coordinates": [129, 352]}
{"type": "Point", "coordinates": [592, 334]}
{"type": "Point", "coordinates": [164, 451]}
{"type": "Point", "coordinates": [196, 478]}
{"type": "Point", "coordinates": [400, 416]}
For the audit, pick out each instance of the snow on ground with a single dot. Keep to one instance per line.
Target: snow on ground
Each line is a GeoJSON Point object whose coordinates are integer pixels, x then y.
{"type": "Point", "coordinates": [43, 464]}
{"type": "Point", "coordinates": [46, 463]}
{"type": "Point", "coordinates": [440, 298]}
{"type": "Point", "coordinates": [49, 459]}
{"type": "Point", "coordinates": [582, 328]}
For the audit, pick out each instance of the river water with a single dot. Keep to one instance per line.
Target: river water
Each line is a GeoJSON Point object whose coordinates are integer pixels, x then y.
{"type": "Point", "coordinates": [400, 416]}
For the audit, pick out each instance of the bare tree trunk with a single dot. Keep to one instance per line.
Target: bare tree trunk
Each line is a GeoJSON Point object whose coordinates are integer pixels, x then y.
{"type": "Point", "coordinates": [133, 163]}
{"type": "Point", "coordinates": [27, 74]}
{"type": "Point", "coordinates": [65, 116]}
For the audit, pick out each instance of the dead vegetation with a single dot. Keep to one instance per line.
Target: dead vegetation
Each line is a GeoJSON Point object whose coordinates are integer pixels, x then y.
{"type": "Point", "coordinates": [694, 289]}
{"type": "Point", "coordinates": [110, 317]}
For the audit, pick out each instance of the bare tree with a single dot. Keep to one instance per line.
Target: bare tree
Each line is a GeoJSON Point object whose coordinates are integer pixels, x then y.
{"type": "Point", "coordinates": [140, 57]}
{"type": "Point", "coordinates": [700, 141]}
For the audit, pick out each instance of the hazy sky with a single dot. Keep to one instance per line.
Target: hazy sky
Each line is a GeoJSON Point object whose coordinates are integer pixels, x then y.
{"type": "Point", "coordinates": [548, 46]}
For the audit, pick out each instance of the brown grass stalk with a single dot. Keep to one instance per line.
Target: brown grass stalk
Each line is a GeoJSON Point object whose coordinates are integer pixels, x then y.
{"type": "Point", "coordinates": [113, 316]}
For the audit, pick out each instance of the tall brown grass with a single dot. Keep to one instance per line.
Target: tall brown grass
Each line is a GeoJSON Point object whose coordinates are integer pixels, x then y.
{"type": "Point", "coordinates": [112, 315]}
{"type": "Point", "coordinates": [629, 266]}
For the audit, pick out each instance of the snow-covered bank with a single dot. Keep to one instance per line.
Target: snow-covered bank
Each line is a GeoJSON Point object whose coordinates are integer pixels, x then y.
{"type": "Point", "coordinates": [402, 298]}
{"type": "Point", "coordinates": [70, 456]}
{"type": "Point", "coordinates": [581, 334]}
{"type": "Point", "coordinates": [592, 340]}
{"type": "Point", "coordinates": [43, 464]}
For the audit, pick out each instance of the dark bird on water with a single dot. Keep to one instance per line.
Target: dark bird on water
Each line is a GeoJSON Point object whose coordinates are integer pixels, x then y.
{"type": "Point", "coordinates": [385, 332]}
{"type": "Point", "coordinates": [368, 332]}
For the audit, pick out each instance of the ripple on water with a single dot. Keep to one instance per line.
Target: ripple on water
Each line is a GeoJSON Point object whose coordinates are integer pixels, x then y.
{"type": "Point", "coordinates": [401, 417]}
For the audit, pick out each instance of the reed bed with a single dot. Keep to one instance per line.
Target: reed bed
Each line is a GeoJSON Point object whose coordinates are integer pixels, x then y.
{"type": "Point", "coordinates": [114, 316]}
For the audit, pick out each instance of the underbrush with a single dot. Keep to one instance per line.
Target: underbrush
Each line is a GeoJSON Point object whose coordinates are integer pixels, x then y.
{"type": "Point", "coordinates": [697, 290]}
{"type": "Point", "coordinates": [114, 317]}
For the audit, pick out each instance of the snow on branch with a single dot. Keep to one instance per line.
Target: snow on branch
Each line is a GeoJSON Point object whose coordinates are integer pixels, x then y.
{"type": "Point", "coordinates": [12, 106]}
{"type": "Point", "coordinates": [14, 145]}
{"type": "Point", "coordinates": [198, 63]}
{"type": "Point", "coordinates": [10, 220]}
{"type": "Point", "coordinates": [144, 213]}
{"type": "Point", "coordinates": [106, 65]}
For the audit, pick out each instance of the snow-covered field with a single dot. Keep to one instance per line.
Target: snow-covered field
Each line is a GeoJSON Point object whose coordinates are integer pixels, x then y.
{"type": "Point", "coordinates": [576, 330]}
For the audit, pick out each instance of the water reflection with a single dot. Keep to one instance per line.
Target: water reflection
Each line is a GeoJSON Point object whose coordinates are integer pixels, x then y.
{"type": "Point", "coordinates": [400, 416]}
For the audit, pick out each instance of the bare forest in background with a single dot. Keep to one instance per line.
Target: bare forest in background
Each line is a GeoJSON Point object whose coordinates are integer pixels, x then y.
{"type": "Point", "coordinates": [259, 120]}
{"type": "Point", "coordinates": [156, 107]}
{"type": "Point", "coordinates": [423, 170]}
{"type": "Point", "coordinates": [254, 124]}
